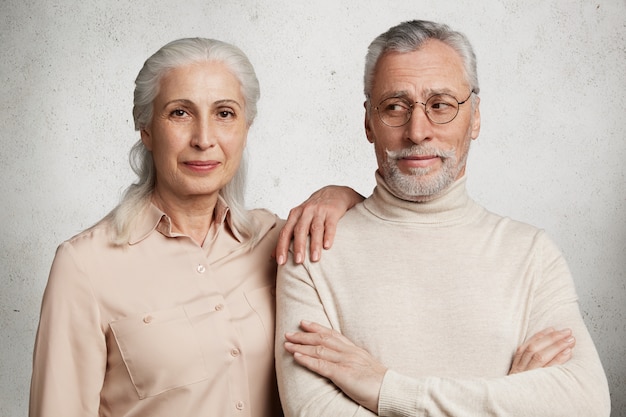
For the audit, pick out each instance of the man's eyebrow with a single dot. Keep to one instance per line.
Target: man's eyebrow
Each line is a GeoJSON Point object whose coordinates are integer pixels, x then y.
{"type": "Point", "coordinates": [426, 93]}
{"type": "Point", "coordinates": [434, 91]}
{"type": "Point", "coordinates": [396, 94]}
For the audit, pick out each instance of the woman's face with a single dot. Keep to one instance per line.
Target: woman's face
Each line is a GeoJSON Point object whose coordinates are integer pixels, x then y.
{"type": "Point", "coordinates": [198, 131]}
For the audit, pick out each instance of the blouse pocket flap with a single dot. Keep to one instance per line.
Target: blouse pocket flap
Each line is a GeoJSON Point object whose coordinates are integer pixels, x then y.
{"type": "Point", "coordinates": [160, 350]}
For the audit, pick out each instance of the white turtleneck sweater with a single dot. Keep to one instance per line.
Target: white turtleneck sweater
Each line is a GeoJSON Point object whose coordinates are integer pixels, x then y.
{"type": "Point", "coordinates": [442, 293]}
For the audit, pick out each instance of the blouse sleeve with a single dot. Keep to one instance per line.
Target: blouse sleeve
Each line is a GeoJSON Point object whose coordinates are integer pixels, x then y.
{"type": "Point", "coordinates": [70, 351]}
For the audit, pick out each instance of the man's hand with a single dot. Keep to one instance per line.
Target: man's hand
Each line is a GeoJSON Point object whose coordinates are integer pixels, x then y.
{"type": "Point", "coordinates": [318, 217]}
{"type": "Point", "coordinates": [330, 354]}
{"type": "Point", "coordinates": [546, 348]}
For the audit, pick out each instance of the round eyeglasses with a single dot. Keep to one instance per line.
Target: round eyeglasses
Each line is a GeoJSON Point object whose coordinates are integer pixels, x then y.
{"type": "Point", "coordinates": [439, 108]}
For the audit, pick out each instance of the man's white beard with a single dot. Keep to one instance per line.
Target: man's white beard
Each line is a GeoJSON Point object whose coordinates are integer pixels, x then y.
{"type": "Point", "coordinates": [421, 184]}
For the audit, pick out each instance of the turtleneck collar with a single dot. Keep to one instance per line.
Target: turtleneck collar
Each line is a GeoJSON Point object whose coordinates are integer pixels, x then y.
{"type": "Point", "coordinates": [453, 205]}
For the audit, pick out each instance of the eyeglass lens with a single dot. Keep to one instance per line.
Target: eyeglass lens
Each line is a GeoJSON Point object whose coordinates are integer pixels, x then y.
{"type": "Point", "coordinates": [440, 109]}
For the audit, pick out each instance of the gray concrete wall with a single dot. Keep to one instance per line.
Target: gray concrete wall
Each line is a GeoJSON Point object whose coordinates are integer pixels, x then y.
{"type": "Point", "coordinates": [551, 150]}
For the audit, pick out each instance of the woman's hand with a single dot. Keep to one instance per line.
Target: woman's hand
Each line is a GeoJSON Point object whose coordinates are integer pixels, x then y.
{"type": "Point", "coordinates": [330, 354]}
{"type": "Point", "coordinates": [317, 217]}
{"type": "Point", "coordinates": [546, 348]}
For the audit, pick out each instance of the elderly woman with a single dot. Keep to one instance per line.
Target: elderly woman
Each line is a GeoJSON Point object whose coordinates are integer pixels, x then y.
{"type": "Point", "coordinates": [166, 306]}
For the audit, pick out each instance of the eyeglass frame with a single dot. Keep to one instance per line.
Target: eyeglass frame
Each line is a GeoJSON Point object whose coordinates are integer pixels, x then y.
{"type": "Point", "coordinates": [412, 107]}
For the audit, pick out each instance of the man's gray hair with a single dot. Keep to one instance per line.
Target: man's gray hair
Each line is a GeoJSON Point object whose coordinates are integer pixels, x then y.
{"type": "Point", "coordinates": [410, 36]}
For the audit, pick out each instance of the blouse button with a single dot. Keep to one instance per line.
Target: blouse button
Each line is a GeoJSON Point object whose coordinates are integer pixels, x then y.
{"type": "Point", "coordinates": [147, 319]}
{"type": "Point", "coordinates": [219, 307]}
{"type": "Point", "coordinates": [235, 352]}
{"type": "Point", "coordinates": [239, 405]}
{"type": "Point", "coordinates": [201, 268]}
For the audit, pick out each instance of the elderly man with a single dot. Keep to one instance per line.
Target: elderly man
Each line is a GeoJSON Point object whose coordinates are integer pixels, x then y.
{"type": "Point", "coordinates": [427, 293]}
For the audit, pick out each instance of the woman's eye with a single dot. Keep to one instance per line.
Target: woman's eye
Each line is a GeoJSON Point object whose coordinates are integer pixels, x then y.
{"type": "Point", "coordinates": [225, 114]}
{"type": "Point", "coordinates": [179, 113]}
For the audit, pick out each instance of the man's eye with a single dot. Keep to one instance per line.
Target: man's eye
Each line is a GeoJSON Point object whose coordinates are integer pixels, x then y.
{"type": "Point", "coordinates": [397, 106]}
{"type": "Point", "coordinates": [442, 103]}
{"type": "Point", "coordinates": [439, 105]}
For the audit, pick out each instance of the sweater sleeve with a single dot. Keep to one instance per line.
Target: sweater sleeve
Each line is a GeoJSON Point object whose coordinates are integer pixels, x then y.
{"type": "Point", "coordinates": [577, 388]}
{"type": "Point", "coordinates": [70, 348]}
{"type": "Point", "coordinates": [302, 392]}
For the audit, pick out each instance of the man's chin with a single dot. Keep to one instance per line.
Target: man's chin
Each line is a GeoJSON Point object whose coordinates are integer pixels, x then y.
{"type": "Point", "coordinates": [418, 187]}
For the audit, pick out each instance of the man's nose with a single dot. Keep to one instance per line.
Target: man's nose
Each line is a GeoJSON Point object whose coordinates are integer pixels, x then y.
{"type": "Point", "coordinates": [419, 127]}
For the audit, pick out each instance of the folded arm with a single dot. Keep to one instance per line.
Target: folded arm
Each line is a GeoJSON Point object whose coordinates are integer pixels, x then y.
{"type": "Point", "coordinates": [351, 387]}
{"type": "Point", "coordinates": [360, 376]}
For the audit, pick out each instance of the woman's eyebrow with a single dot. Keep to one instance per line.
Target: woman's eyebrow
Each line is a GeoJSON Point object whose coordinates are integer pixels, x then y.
{"type": "Point", "coordinates": [227, 101]}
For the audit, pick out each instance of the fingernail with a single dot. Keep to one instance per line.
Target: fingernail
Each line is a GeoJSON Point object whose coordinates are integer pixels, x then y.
{"type": "Point", "coordinates": [281, 260]}
{"type": "Point", "coordinates": [299, 258]}
{"type": "Point", "coordinates": [567, 351]}
{"type": "Point", "coordinates": [327, 244]}
{"type": "Point", "coordinates": [316, 256]}
{"type": "Point", "coordinates": [569, 340]}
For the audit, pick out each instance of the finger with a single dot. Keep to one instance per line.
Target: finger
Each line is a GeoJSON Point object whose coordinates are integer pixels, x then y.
{"type": "Point", "coordinates": [301, 234]}
{"type": "Point", "coordinates": [317, 238]}
{"type": "Point", "coordinates": [285, 235]}
{"type": "Point", "coordinates": [522, 358]}
{"type": "Point", "coordinates": [564, 356]}
{"type": "Point", "coordinates": [541, 349]}
{"type": "Point", "coordinates": [330, 228]}
{"type": "Point", "coordinates": [326, 332]}
{"type": "Point", "coordinates": [315, 351]}
{"type": "Point", "coordinates": [319, 366]}
{"type": "Point", "coordinates": [551, 355]}
{"type": "Point", "coordinates": [329, 340]}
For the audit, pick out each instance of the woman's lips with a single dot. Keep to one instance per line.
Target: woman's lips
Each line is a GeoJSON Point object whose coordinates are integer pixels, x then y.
{"type": "Point", "coordinates": [202, 166]}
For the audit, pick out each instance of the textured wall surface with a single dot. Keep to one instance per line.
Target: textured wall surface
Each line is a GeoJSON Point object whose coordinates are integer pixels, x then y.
{"type": "Point", "coordinates": [551, 150]}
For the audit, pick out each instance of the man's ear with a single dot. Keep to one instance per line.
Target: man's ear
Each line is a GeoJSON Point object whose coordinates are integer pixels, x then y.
{"type": "Point", "coordinates": [368, 129]}
{"type": "Point", "coordinates": [146, 138]}
{"type": "Point", "coordinates": [476, 119]}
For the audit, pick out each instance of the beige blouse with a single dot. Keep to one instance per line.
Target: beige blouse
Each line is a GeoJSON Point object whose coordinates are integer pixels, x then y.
{"type": "Point", "coordinates": [160, 327]}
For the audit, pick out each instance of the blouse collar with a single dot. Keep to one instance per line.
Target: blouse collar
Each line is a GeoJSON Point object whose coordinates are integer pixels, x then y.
{"type": "Point", "coordinates": [152, 218]}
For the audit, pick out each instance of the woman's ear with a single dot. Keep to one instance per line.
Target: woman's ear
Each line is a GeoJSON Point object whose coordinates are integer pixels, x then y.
{"type": "Point", "coordinates": [146, 138]}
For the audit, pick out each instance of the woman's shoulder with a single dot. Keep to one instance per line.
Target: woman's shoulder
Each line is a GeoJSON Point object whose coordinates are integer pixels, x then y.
{"type": "Point", "coordinates": [265, 217]}
{"type": "Point", "coordinates": [99, 234]}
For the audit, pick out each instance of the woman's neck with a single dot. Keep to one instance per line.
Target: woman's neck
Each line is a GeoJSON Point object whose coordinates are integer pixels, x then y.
{"type": "Point", "coordinates": [192, 217]}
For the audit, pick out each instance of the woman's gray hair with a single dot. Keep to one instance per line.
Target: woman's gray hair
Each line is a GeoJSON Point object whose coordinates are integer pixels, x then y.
{"type": "Point", "coordinates": [410, 36]}
{"type": "Point", "coordinates": [177, 54]}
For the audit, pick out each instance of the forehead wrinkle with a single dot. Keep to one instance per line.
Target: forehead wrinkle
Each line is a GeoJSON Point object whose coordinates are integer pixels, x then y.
{"type": "Point", "coordinates": [426, 93]}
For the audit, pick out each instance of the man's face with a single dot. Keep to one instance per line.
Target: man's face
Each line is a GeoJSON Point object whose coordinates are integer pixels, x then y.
{"type": "Point", "coordinates": [420, 159]}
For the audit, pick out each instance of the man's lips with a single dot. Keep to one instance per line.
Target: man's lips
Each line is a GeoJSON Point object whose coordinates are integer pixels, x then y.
{"type": "Point", "coordinates": [419, 161]}
{"type": "Point", "coordinates": [419, 157]}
